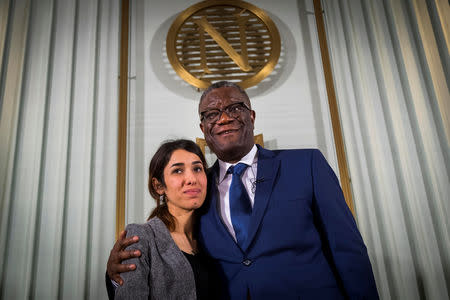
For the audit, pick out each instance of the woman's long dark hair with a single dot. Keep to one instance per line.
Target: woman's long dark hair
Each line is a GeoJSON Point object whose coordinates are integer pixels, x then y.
{"type": "Point", "coordinates": [156, 170]}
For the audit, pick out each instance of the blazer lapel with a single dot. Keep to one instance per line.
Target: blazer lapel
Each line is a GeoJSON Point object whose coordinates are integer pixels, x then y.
{"type": "Point", "coordinates": [173, 258]}
{"type": "Point", "coordinates": [267, 171]}
{"type": "Point", "coordinates": [163, 238]}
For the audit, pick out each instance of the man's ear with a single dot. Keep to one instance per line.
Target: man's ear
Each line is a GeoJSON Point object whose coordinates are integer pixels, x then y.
{"type": "Point", "coordinates": [253, 116]}
{"type": "Point", "coordinates": [157, 186]}
{"type": "Point", "coordinates": [201, 127]}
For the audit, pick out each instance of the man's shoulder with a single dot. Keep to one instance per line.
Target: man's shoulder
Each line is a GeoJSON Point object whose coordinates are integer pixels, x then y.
{"type": "Point", "coordinates": [300, 151]}
{"type": "Point", "coordinates": [290, 153]}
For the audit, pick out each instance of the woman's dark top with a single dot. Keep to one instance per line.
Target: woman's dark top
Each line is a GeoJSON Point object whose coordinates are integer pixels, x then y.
{"type": "Point", "coordinates": [204, 274]}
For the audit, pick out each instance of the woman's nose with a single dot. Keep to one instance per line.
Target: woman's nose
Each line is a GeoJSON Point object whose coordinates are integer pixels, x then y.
{"type": "Point", "coordinates": [190, 177]}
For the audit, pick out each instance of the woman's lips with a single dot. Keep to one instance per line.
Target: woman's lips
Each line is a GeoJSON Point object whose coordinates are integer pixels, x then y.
{"type": "Point", "coordinates": [193, 192]}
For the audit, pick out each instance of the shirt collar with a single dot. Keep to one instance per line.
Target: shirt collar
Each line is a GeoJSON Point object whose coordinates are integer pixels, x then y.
{"type": "Point", "coordinates": [248, 159]}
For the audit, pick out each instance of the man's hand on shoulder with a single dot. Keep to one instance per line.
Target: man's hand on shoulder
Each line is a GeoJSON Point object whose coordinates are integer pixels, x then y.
{"type": "Point", "coordinates": [118, 254]}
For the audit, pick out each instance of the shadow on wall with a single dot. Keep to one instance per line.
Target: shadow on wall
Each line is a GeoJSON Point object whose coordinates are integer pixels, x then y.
{"type": "Point", "coordinates": [167, 76]}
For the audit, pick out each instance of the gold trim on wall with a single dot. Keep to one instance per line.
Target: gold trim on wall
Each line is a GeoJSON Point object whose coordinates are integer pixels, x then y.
{"type": "Point", "coordinates": [332, 102]}
{"type": "Point", "coordinates": [122, 130]}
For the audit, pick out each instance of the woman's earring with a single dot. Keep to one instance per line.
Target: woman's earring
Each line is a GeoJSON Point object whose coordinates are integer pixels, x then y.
{"type": "Point", "coordinates": [161, 197]}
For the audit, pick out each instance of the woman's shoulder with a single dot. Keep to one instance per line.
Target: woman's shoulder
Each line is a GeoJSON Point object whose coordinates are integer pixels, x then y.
{"type": "Point", "coordinates": [153, 234]}
{"type": "Point", "coordinates": [138, 229]}
{"type": "Point", "coordinates": [150, 228]}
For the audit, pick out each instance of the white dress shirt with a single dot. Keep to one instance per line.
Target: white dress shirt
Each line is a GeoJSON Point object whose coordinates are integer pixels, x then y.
{"type": "Point", "coordinates": [224, 181]}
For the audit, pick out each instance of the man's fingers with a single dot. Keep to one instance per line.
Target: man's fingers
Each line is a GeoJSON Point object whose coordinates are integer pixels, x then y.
{"type": "Point", "coordinates": [118, 279]}
{"type": "Point", "coordinates": [122, 235]}
{"type": "Point", "coordinates": [114, 270]}
{"type": "Point", "coordinates": [123, 268]}
{"type": "Point", "coordinates": [125, 242]}
{"type": "Point", "coordinates": [118, 254]}
{"type": "Point", "coordinates": [129, 254]}
{"type": "Point", "coordinates": [118, 244]}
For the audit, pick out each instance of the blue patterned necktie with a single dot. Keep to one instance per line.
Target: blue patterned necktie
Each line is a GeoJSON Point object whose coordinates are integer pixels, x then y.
{"type": "Point", "coordinates": [240, 207]}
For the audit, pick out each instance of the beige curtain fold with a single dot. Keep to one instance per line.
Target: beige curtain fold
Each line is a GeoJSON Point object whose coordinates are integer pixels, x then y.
{"type": "Point", "coordinates": [58, 128]}
{"type": "Point", "coordinates": [389, 59]}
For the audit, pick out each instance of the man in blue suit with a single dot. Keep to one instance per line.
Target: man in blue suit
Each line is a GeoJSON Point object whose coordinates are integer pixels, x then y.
{"type": "Point", "coordinates": [279, 228]}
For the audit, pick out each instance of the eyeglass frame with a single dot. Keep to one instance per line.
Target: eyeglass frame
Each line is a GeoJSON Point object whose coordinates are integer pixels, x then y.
{"type": "Point", "coordinates": [224, 110]}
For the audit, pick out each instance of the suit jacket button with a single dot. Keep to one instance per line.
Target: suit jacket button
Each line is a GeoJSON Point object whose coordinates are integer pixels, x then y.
{"type": "Point", "coordinates": [247, 262]}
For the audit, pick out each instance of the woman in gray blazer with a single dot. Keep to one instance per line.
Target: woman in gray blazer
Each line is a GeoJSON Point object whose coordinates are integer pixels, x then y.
{"type": "Point", "coordinates": [171, 265]}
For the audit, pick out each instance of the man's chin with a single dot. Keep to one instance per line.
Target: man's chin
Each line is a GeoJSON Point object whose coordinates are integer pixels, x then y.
{"type": "Point", "coordinates": [228, 151]}
{"type": "Point", "coordinates": [225, 140]}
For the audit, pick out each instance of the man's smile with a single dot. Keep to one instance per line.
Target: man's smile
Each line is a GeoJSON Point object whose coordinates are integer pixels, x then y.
{"type": "Point", "coordinates": [226, 131]}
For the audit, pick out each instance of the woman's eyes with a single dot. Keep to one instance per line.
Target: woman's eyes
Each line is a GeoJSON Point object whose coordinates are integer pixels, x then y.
{"type": "Point", "coordinates": [198, 169]}
{"type": "Point", "coordinates": [180, 170]}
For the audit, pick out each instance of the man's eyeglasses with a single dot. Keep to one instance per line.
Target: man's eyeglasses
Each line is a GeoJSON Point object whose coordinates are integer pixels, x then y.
{"type": "Point", "coordinates": [234, 110]}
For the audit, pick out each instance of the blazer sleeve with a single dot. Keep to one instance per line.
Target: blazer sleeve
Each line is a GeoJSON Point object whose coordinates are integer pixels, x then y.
{"type": "Point", "coordinates": [110, 288]}
{"type": "Point", "coordinates": [136, 283]}
{"type": "Point", "coordinates": [338, 227]}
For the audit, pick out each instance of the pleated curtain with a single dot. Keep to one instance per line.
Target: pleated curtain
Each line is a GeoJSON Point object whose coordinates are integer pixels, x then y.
{"type": "Point", "coordinates": [390, 64]}
{"type": "Point", "coordinates": [58, 131]}
{"type": "Point", "coordinates": [58, 141]}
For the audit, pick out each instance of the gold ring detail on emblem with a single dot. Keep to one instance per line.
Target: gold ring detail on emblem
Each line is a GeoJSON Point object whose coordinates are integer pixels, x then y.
{"type": "Point", "coordinates": [218, 40]}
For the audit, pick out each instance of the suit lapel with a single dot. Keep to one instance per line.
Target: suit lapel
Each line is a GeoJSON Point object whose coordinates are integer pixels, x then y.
{"type": "Point", "coordinates": [267, 171]}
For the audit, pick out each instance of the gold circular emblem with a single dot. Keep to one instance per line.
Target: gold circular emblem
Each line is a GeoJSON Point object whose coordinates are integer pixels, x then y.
{"type": "Point", "coordinates": [218, 40]}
